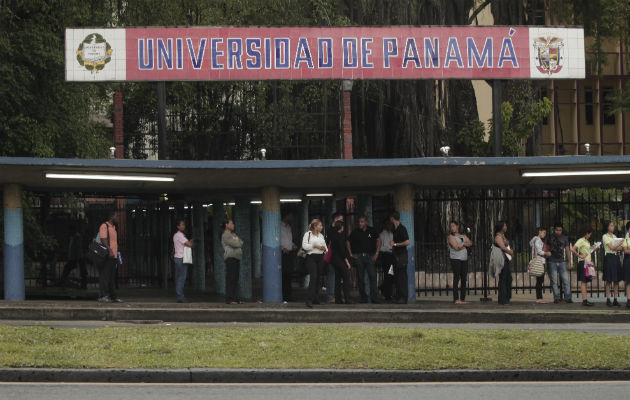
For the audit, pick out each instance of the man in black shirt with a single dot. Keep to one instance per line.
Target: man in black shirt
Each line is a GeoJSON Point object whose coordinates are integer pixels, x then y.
{"type": "Point", "coordinates": [399, 249]}
{"type": "Point", "coordinates": [364, 246]}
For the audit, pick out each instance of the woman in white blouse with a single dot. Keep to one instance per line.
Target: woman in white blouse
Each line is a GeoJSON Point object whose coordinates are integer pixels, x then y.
{"type": "Point", "coordinates": [314, 245]}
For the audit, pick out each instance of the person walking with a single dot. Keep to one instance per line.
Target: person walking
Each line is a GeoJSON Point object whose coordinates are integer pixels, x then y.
{"type": "Point", "coordinates": [458, 254]}
{"type": "Point", "coordinates": [560, 253]}
{"type": "Point", "coordinates": [612, 264]}
{"type": "Point", "coordinates": [364, 245]}
{"type": "Point", "coordinates": [502, 272]}
{"type": "Point", "coordinates": [179, 243]}
{"type": "Point", "coordinates": [232, 253]}
{"type": "Point", "coordinates": [340, 260]}
{"type": "Point", "coordinates": [76, 258]}
{"type": "Point", "coordinates": [387, 260]}
{"type": "Point", "coordinates": [582, 249]}
{"type": "Point", "coordinates": [107, 270]}
{"type": "Point", "coordinates": [399, 243]}
{"type": "Point", "coordinates": [538, 250]}
{"type": "Point", "coordinates": [625, 275]}
{"type": "Point", "coordinates": [314, 245]}
{"type": "Point", "coordinates": [288, 255]}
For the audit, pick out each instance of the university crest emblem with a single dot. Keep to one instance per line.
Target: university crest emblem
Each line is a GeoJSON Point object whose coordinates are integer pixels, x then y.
{"type": "Point", "coordinates": [94, 52]}
{"type": "Point", "coordinates": [549, 54]}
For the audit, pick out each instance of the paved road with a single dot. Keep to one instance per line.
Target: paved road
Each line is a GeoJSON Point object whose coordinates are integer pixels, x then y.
{"type": "Point", "coordinates": [467, 391]}
{"type": "Point", "coordinates": [610, 329]}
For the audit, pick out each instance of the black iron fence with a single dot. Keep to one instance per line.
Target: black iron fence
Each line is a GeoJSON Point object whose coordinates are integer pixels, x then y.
{"type": "Point", "coordinates": [523, 210]}
{"type": "Point", "coordinates": [147, 224]}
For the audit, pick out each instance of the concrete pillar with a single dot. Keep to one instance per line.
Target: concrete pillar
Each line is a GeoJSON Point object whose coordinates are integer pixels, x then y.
{"type": "Point", "coordinates": [13, 243]}
{"type": "Point", "coordinates": [254, 215]}
{"type": "Point", "coordinates": [365, 207]}
{"type": "Point", "coordinates": [218, 216]}
{"type": "Point", "coordinates": [404, 198]}
{"type": "Point", "coordinates": [199, 215]}
{"type": "Point", "coordinates": [271, 253]}
{"type": "Point", "coordinates": [119, 141]}
{"type": "Point", "coordinates": [302, 220]}
{"type": "Point", "coordinates": [243, 230]}
{"type": "Point", "coordinates": [347, 119]}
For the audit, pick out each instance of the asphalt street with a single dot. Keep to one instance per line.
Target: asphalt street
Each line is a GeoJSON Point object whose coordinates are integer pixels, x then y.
{"type": "Point", "coordinates": [467, 391]}
{"type": "Point", "coordinates": [606, 328]}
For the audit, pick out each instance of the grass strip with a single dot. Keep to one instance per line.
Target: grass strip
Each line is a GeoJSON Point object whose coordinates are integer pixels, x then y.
{"type": "Point", "coordinates": [310, 347]}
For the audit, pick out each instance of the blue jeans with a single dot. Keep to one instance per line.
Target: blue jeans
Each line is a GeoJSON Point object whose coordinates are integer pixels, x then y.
{"type": "Point", "coordinates": [365, 265]}
{"type": "Point", "coordinates": [555, 269]}
{"type": "Point", "coordinates": [182, 269]}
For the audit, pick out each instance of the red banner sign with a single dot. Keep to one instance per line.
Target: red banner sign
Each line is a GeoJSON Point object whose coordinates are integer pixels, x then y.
{"type": "Point", "coordinates": [176, 54]}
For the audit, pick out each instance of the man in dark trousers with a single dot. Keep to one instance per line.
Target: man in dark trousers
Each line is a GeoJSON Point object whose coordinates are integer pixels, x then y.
{"type": "Point", "coordinates": [364, 245]}
{"type": "Point", "coordinates": [399, 248]}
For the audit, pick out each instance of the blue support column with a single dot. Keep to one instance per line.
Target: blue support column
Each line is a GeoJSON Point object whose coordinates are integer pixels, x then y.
{"type": "Point", "coordinates": [404, 198]}
{"type": "Point", "coordinates": [199, 215]}
{"type": "Point", "coordinates": [303, 219]}
{"type": "Point", "coordinates": [537, 212]}
{"type": "Point", "coordinates": [242, 222]}
{"type": "Point", "coordinates": [218, 215]}
{"type": "Point", "coordinates": [254, 214]}
{"type": "Point", "coordinates": [365, 207]}
{"type": "Point", "coordinates": [271, 253]}
{"type": "Point", "coordinates": [13, 244]}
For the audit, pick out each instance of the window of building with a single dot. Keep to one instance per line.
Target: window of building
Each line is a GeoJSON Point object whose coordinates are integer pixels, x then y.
{"type": "Point", "coordinates": [588, 105]}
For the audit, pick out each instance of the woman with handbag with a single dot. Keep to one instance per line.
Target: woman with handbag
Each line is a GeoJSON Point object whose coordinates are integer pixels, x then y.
{"type": "Point", "coordinates": [314, 245]}
{"type": "Point", "coordinates": [180, 242]}
{"type": "Point", "coordinates": [582, 250]}
{"type": "Point", "coordinates": [538, 260]}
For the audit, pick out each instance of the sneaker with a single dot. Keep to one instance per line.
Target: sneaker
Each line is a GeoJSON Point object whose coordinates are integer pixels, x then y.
{"type": "Point", "coordinates": [615, 302]}
{"type": "Point", "coordinates": [104, 299]}
{"type": "Point", "coordinates": [587, 303]}
{"type": "Point", "coordinates": [568, 301]}
{"type": "Point", "coordinates": [117, 300]}
{"type": "Point", "coordinates": [375, 301]}
{"type": "Point", "coordinates": [184, 300]}
{"type": "Point", "coordinates": [608, 303]}
{"type": "Point", "coordinates": [309, 304]}
{"type": "Point", "coordinates": [556, 301]}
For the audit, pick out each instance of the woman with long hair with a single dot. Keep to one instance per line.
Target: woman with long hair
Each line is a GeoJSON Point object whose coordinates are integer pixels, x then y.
{"type": "Point", "coordinates": [458, 254]}
{"type": "Point", "coordinates": [505, 275]}
{"type": "Point", "coordinates": [538, 250]}
{"type": "Point", "coordinates": [314, 245]}
{"type": "Point", "coordinates": [582, 250]}
{"type": "Point", "coordinates": [612, 263]}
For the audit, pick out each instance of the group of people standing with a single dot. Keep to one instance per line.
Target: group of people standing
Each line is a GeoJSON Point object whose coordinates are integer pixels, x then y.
{"type": "Point", "coordinates": [363, 247]}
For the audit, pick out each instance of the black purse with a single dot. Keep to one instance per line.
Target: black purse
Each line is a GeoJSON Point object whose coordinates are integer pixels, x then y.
{"type": "Point", "coordinates": [97, 252]}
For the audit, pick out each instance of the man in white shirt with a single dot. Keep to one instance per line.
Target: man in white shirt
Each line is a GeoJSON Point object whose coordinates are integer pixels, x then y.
{"type": "Point", "coordinates": [288, 255]}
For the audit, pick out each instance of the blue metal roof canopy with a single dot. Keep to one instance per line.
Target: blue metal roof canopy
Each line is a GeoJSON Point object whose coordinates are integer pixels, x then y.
{"type": "Point", "coordinates": [300, 176]}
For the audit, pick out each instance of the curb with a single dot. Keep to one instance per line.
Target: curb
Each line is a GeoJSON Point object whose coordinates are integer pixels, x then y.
{"type": "Point", "coordinates": [194, 375]}
{"type": "Point", "coordinates": [297, 315]}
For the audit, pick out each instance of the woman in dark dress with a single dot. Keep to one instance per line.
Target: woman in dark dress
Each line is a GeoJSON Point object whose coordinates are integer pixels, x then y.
{"type": "Point", "coordinates": [505, 277]}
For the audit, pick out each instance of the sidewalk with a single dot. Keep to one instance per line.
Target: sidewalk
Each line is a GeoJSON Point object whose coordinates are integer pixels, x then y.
{"type": "Point", "coordinates": [156, 305]}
